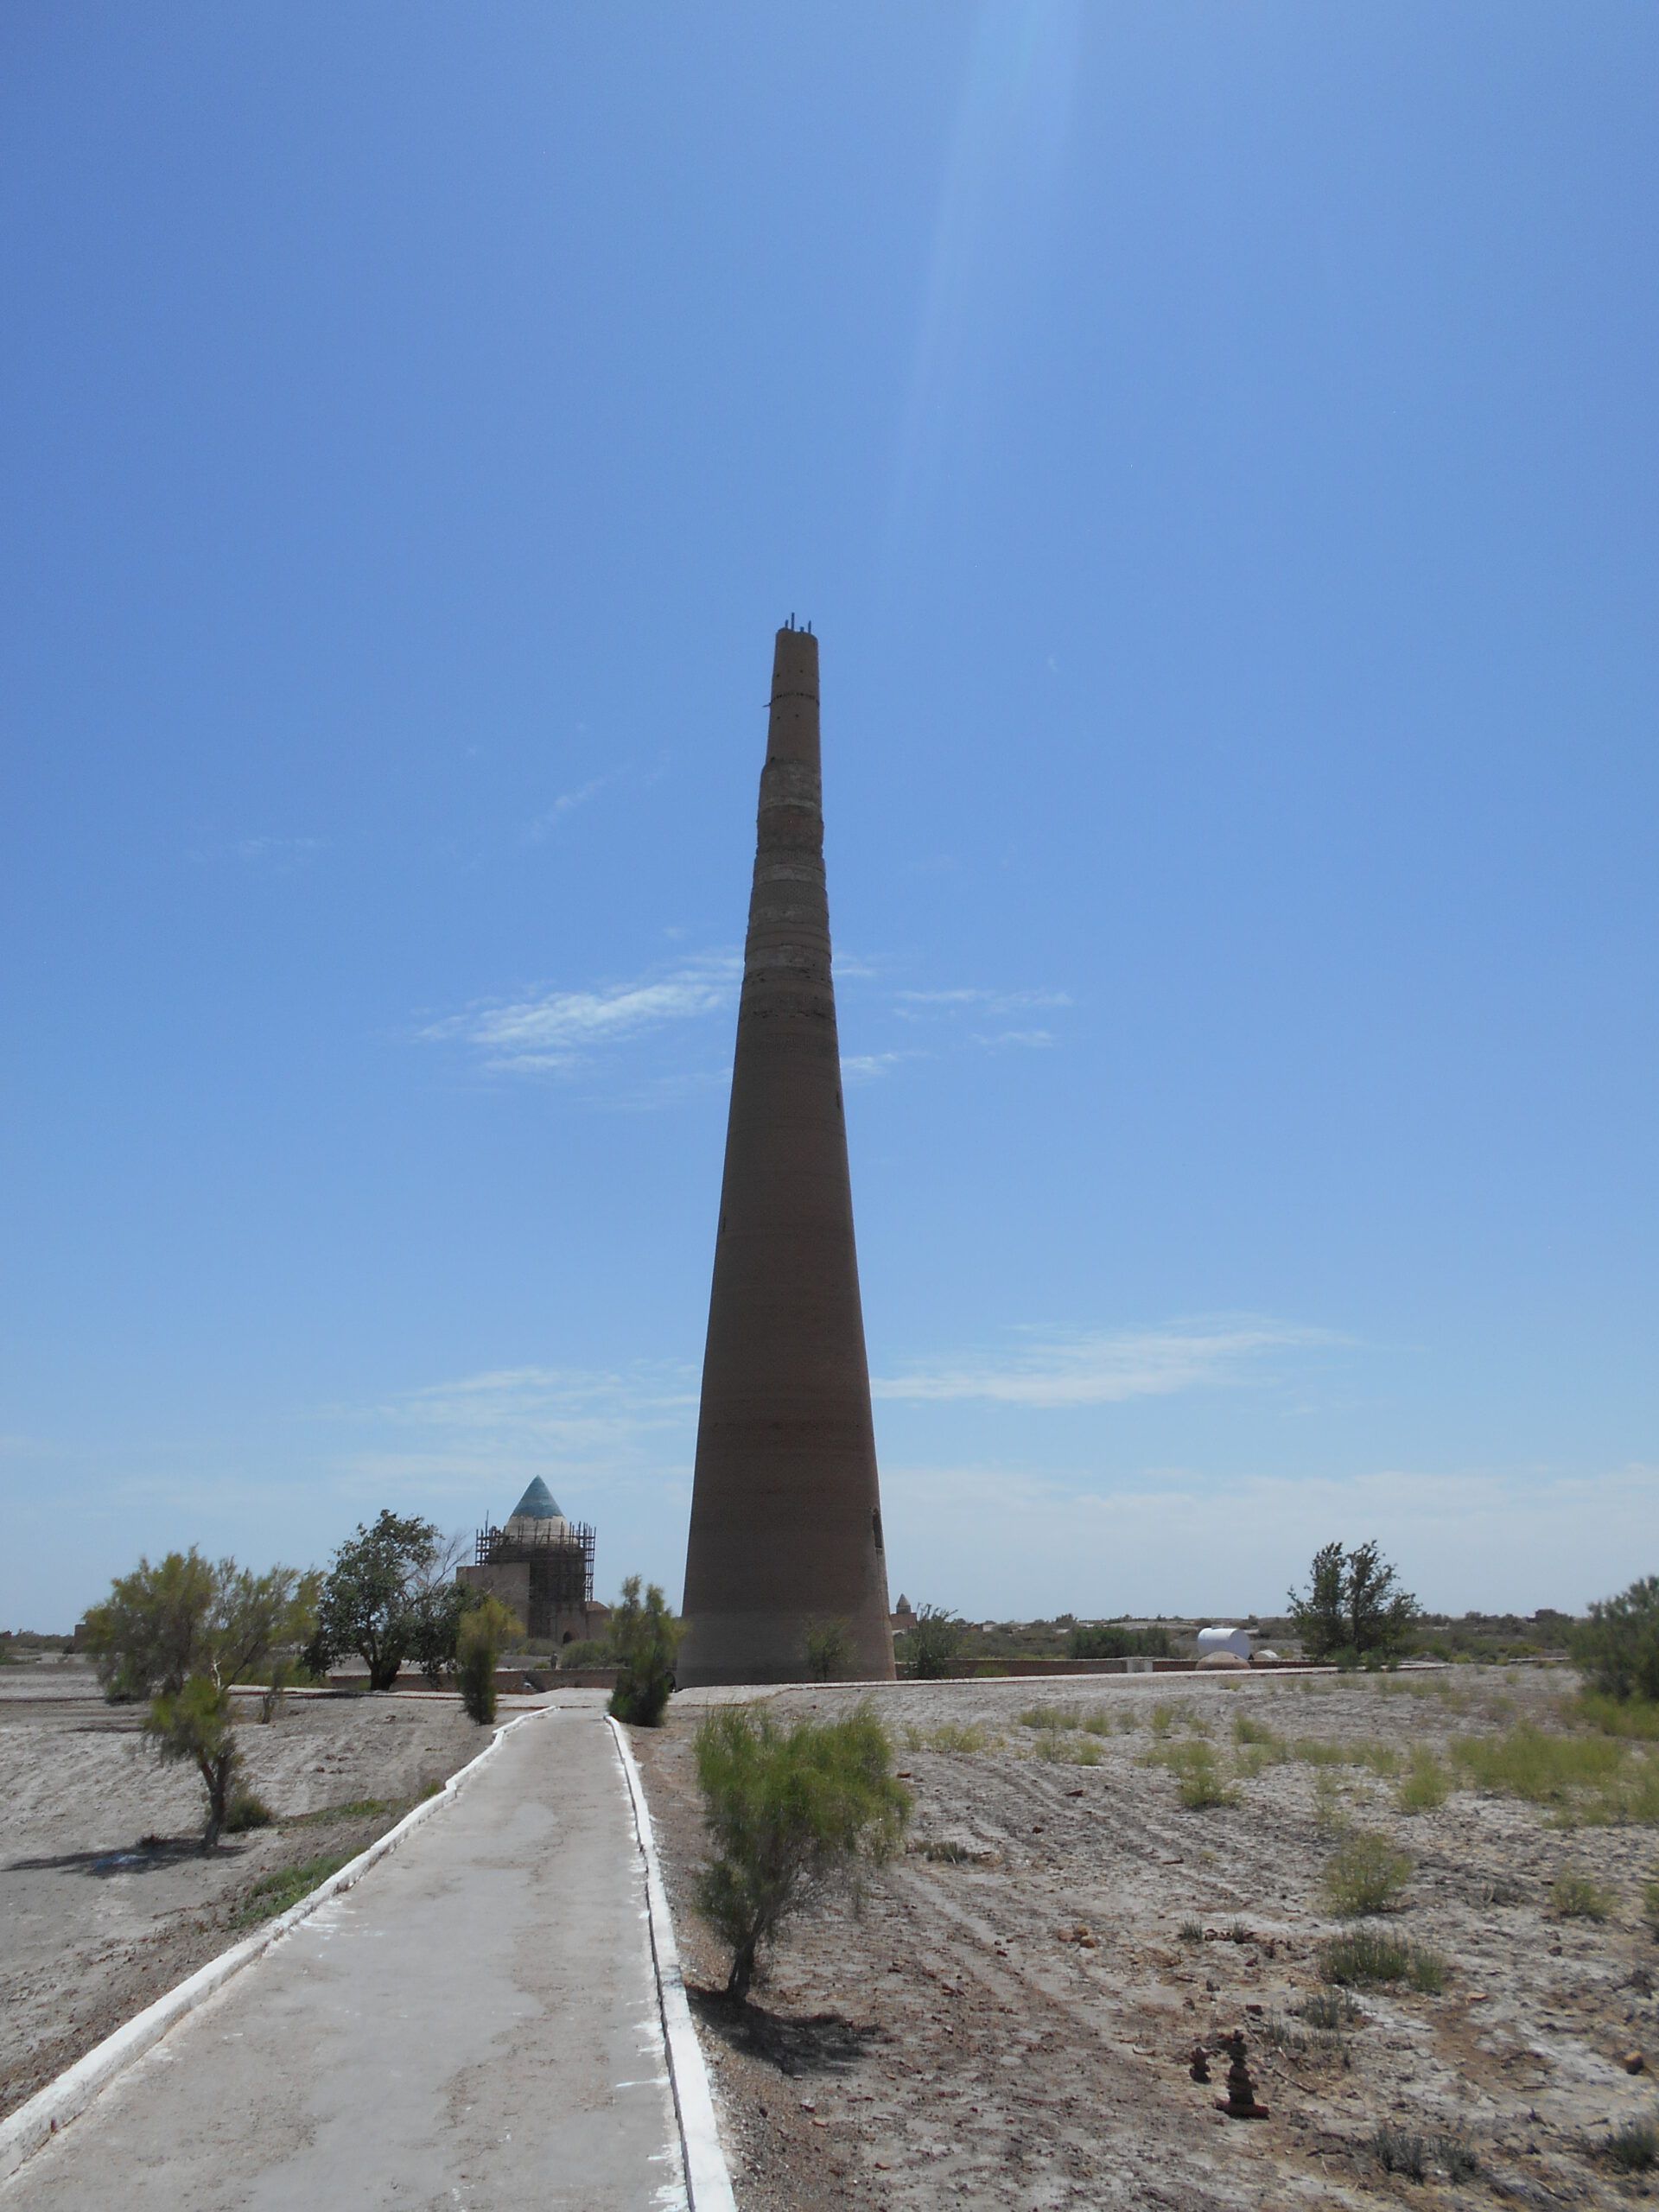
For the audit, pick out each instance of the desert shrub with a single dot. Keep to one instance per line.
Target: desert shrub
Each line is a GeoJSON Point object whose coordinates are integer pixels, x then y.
{"type": "Point", "coordinates": [1051, 1717]}
{"type": "Point", "coordinates": [1635, 2146]}
{"type": "Point", "coordinates": [1424, 1784]}
{"type": "Point", "coordinates": [1192, 1932]}
{"type": "Point", "coordinates": [1399, 2151]}
{"type": "Point", "coordinates": [1618, 1647]}
{"type": "Point", "coordinates": [247, 1809]}
{"type": "Point", "coordinates": [1247, 1731]}
{"type": "Point", "coordinates": [587, 1651]}
{"type": "Point", "coordinates": [829, 1649]}
{"type": "Point", "coordinates": [1365, 1874]}
{"type": "Point", "coordinates": [791, 1812]}
{"type": "Point", "coordinates": [274, 1893]}
{"type": "Point", "coordinates": [484, 1630]}
{"type": "Point", "coordinates": [1575, 1896]}
{"type": "Point", "coordinates": [931, 1644]}
{"type": "Point", "coordinates": [950, 1736]}
{"type": "Point", "coordinates": [1542, 1768]}
{"type": "Point", "coordinates": [1368, 1957]}
{"type": "Point", "coordinates": [1329, 2010]}
{"type": "Point", "coordinates": [1199, 1782]}
{"type": "Point", "coordinates": [1108, 1640]}
{"type": "Point", "coordinates": [1065, 1749]}
{"type": "Point", "coordinates": [645, 1638]}
{"type": "Point", "coordinates": [1636, 1717]}
{"type": "Point", "coordinates": [1458, 2159]}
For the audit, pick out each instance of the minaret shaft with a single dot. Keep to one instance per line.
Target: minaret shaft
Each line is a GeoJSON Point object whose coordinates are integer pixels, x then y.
{"type": "Point", "coordinates": [786, 1508]}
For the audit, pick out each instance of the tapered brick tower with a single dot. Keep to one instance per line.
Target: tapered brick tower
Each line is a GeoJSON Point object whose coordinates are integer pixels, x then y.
{"type": "Point", "coordinates": [786, 1508]}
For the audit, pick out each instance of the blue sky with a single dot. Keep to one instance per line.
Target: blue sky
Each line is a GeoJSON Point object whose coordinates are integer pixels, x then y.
{"type": "Point", "coordinates": [1216, 449]}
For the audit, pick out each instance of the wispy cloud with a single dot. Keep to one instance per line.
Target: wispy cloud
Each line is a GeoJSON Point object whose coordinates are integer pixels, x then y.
{"type": "Point", "coordinates": [1094, 1368]}
{"type": "Point", "coordinates": [557, 1031]}
{"type": "Point", "coordinates": [567, 802]}
{"type": "Point", "coordinates": [866, 1067]}
{"type": "Point", "coordinates": [499, 1428]}
{"type": "Point", "coordinates": [966, 998]}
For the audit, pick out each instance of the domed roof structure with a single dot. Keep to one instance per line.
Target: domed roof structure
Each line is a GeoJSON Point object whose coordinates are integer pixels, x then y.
{"type": "Point", "coordinates": [537, 1503]}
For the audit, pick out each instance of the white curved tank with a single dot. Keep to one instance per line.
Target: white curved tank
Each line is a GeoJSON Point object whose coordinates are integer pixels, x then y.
{"type": "Point", "coordinates": [1224, 1639]}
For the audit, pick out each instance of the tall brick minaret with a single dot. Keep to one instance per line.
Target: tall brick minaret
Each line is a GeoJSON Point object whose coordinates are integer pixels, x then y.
{"type": "Point", "coordinates": [786, 1508]}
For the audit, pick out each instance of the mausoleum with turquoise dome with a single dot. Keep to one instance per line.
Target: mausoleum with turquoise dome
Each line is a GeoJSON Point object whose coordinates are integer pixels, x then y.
{"type": "Point", "coordinates": [541, 1565]}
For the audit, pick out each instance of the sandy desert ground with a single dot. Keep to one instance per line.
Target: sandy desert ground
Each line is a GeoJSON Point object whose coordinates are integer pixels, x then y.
{"type": "Point", "coordinates": [1010, 2020]}
{"type": "Point", "coordinates": [105, 1900]}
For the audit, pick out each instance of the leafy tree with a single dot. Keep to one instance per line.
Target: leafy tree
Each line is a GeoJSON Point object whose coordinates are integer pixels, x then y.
{"type": "Point", "coordinates": [1353, 1603]}
{"type": "Point", "coordinates": [829, 1649]}
{"type": "Point", "coordinates": [383, 1599]}
{"type": "Point", "coordinates": [793, 1812]}
{"type": "Point", "coordinates": [932, 1643]}
{"type": "Point", "coordinates": [484, 1628]}
{"type": "Point", "coordinates": [645, 1639]}
{"type": "Point", "coordinates": [1618, 1646]}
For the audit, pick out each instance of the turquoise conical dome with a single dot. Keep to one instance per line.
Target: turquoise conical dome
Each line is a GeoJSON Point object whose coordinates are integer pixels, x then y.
{"type": "Point", "coordinates": [536, 1505]}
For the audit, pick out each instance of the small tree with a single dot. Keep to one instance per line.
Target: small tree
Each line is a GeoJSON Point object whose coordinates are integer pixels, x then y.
{"type": "Point", "coordinates": [181, 1634]}
{"type": "Point", "coordinates": [160, 1625]}
{"type": "Point", "coordinates": [1618, 1646]}
{"type": "Point", "coordinates": [932, 1643]}
{"type": "Point", "coordinates": [484, 1628]}
{"type": "Point", "coordinates": [829, 1649]}
{"type": "Point", "coordinates": [379, 1592]}
{"type": "Point", "coordinates": [1353, 1603]}
{"type": "Point", "coordinates": [194, 1724]}
{"type": "Point", "coordinates": [792, 1813]}
{"type": "Point", "coordinates": [645, 1638]}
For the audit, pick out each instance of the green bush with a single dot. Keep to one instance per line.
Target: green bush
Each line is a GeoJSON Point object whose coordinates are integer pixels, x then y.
{"type": "Point", "coordinates": [829, 1650]}
{"type": "Point", "coordinates": [389, 1594]}
{"type": "Point", "coordinates": [587, 1651]}
{"type": "Point", "coordinates": [931, 1643]}
{"type": "Point", "coordinates": [1617, 1646]}
{"type": "Point", "coordinates": [1107, 1640]}
{"type": "Point", "coordinates": [791, 1812]}
{"type": "Point", "coordinates": [1365, 1874]}
{"type": "Point", "coordinates": [1368, 1956]}
{"type": "Point", "coordinates": [247, 1809]}
{"type": "Point", "coordinates": [1635, 2146]}
{"type": "Point", "coordinates": [1575, 1896]}
{"type": "Point", "coordinates": [645, 1640]}
{"type": "Point", "coordinates": [483, 1630]}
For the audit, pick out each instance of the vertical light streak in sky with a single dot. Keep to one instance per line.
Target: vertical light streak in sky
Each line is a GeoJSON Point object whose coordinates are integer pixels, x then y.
{"type": "Point", "coordinates": [994, 210]}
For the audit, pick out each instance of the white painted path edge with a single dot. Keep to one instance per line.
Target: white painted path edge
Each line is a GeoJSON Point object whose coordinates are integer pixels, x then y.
{"type": "Point", "coordinates": [708, 2182]}
{"type": "Point", "coordinates": [55, 2106]}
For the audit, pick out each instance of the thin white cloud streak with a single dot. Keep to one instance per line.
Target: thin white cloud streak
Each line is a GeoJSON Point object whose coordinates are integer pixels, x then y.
{"type": "Point", "coordinates": [556, 1031]}
{"type": "Point", "coordinates": [1099, 1369]}
{"type": "Point", "coordinates": [561, 1031]}
{"type": "Point", "coordinates": [911, 1005]}
{"type": "Point", "coordinates": [567, 802]}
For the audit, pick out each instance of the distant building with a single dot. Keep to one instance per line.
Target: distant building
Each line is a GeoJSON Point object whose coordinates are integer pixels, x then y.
{"type": "Point", "coordinates": [541, 1566]}
{"type": "Point", "coordinates": [902, 1618]}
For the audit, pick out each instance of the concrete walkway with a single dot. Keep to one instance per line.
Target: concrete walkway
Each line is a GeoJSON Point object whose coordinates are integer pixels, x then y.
{"type": "Point", "coordinates": [473, 2026]}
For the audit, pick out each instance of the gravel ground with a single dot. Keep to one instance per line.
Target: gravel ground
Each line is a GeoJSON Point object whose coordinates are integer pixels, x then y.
{"type": "Point", "coordinates": [1009, 2020]}
{"type": "Point", "coordinates": [106, 1900]}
